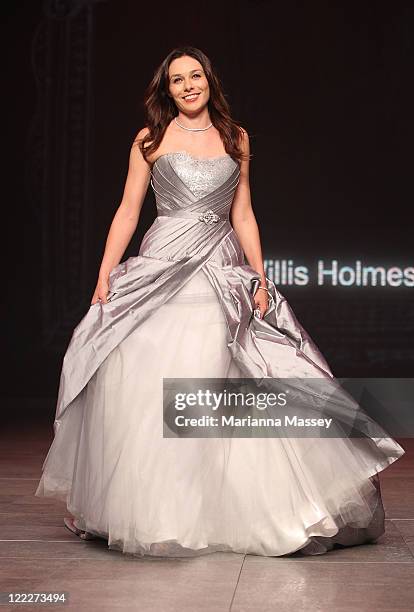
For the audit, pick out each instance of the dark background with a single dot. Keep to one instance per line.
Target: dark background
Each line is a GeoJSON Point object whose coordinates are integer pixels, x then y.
{"type": "Point", "coordinates": [325, 92]}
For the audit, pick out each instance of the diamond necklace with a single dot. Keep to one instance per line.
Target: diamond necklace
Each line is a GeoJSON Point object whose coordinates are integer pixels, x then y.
{"type": "Point", "coordinates": [192, 129]}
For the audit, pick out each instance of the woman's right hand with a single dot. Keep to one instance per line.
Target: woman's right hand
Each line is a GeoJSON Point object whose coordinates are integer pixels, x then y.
{"type": "Point", "coordinates": [101, 291]}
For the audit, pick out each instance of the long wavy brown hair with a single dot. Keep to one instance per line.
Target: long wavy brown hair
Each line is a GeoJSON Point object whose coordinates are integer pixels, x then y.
{"type": "Point", "coordinates": [160, 109]}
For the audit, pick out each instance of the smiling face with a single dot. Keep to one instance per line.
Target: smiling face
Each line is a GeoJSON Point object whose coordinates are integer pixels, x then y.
{"type": "Point", "coordinates": [188, 84]}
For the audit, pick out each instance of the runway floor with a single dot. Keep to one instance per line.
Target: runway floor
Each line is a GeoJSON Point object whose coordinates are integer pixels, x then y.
{"type": "Point", "coordinates": [39, 554]}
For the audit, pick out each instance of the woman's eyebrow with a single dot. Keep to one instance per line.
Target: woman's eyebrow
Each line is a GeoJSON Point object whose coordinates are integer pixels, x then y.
{"type": "Point", "coordinates": [195, 70]}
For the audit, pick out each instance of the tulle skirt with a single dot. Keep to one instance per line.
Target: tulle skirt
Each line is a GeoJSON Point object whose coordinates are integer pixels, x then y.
{"type": "Point", "coordinates": [150, 495]}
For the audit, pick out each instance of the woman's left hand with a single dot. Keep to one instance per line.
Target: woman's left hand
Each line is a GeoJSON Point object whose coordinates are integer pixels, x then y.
{"type": "Point", "coordinates": [261, 299]}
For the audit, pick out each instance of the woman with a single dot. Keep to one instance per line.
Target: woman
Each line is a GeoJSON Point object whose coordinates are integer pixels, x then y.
{"type": "Point", "coordinates": [189, 306]}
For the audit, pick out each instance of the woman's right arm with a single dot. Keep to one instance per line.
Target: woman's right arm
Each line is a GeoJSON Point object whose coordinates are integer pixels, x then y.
{"type": "Point", "coordinates": [126, 217]}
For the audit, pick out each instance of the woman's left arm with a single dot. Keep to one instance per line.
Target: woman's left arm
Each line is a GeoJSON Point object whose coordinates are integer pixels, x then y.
{"type": "Point", "coordinates": [244, 224]}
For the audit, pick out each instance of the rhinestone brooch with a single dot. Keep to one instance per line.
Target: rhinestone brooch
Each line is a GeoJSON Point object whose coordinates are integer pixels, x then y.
{"type": "Point", "coordinates": [209, 217]}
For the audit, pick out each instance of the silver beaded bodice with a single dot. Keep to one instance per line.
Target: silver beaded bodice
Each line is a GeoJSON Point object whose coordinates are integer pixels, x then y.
{"type": "Point", "coordinates": [201, 175]}
{"type": "Point", "coordinates": [194, 188]}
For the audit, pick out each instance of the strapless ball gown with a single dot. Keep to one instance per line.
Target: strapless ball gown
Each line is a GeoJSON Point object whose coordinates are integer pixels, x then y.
{"type": "Point", "coordinates": [183, 307]}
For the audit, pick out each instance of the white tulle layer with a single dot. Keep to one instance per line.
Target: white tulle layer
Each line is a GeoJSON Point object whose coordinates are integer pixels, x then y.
{"type": "Point", "coordinates": [175, 497]}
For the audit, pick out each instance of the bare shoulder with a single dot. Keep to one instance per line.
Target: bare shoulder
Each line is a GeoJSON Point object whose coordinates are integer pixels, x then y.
{"type": "Point", "coordinates": [244, 140]}
{"type": "Point", "coordinates": [141, 135]}
{"type": "Point", "coordinates": [136, 151]}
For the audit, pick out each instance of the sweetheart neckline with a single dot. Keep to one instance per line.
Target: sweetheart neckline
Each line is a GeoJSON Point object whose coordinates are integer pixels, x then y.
{"type": "Point", "coordinates": [236, 168]}
{"type": "Point", "coordinates": [192, 156]}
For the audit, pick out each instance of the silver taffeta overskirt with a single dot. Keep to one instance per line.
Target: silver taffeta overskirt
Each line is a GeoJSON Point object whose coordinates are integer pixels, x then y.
{"type": "Point", "coordinates": [150, 495]}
